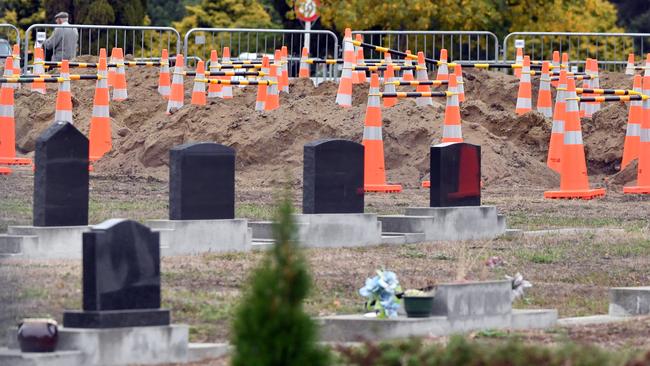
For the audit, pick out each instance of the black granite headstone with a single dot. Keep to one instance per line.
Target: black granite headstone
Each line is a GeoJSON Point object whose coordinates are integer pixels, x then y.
{"type": "Point", "coordinates": [121, 278]}
{"type": "Point", "coordinates": [61, 177]}
{"type": "Point", "coordinates": [455, 175]}
{"type": "Point", "coordinates": [201, 182]}
{"type": "Point", "coordinates": [333, 177]}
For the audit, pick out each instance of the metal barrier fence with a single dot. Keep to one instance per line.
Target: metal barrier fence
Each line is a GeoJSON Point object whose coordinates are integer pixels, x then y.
{"type": "Point", "coordinates": [611, 49]}
{"type": "Point", "coordinates": [199, 42]}
{"type": "Point", "coordinates": [461, 45]}
{"type": "Point", "coordinates": [137, 41]}
{"type": "Point", "coordinates": [10, 33]}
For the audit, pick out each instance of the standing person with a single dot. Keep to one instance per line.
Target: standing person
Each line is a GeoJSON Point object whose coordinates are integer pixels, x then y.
{"type": "Point", "coordinates": [63, 42]}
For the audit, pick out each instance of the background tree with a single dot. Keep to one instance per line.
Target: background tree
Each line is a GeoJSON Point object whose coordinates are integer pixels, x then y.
{"type": "Point", "coordinates": [21, 13]}
{"type": "Point", "coordinates": [117, 12]}
{"type": "Point", "coordinates": [634, 15]}
{"type": "Point", "coordinates": [164, 12]}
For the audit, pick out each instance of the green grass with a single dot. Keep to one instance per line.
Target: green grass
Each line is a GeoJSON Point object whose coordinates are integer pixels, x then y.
{"type": "Point", "coordinates": [255, 211]}
{"type": "Point", "coordinates": [545, 255]}
{"type": "Point", "coordinates": [521, 220]}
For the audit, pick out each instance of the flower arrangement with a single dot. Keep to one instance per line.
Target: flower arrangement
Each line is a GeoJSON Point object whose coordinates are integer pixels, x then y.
{"type": "Point", "coordinates": [381, 292]}
{"type": "Point", "coordinates": [518, 286]}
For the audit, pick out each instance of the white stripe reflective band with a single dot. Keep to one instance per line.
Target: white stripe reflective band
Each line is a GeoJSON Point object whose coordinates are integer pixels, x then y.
{"type": "Point", "coordinates": [546, 111]}
{"type": "Point", "coordinates": [177, 79]}
{"type": "Point", "coordinates": [214, 94]}
{"type": "Point", "coordinates": [423, 101]}
{"type": "Point", "coordinates": [101, 111]}
{"type": "Point", "coordinates": [454, 131]}
{"type": "Point", "coordinates": [259, 106]}
{"type": "Point", "coordinates": [343, 99]}
{"type": "Point", "coordinates": [571, 105]}
{"type": "Point", "coordinates": [572, 138]}
{"type": "Point", "coordinates": [422, 75]}
{"type": "Point", "coordinates": [198, 86]}
{"type": "Point", "coordinates": [372, 133]}
{"type": "Point", "coordinates": [227, 91]}
{"type": "Point", "coordinates": [173, 104]}
{"type": "Point", "coordinates": [164, 90]}
{"type": "Point", "coordinates": [390, 88]}
{"type": "Point", "coordinates": [524, 103]}
{"type": "Point", "coordinates": [65, 116]}
{"type": "Point", "coordinates": [645, 135]}
{"type": "Point", "coordinates": [558, 127]}
{"type": "Point", "coordinates": [6, 111]}
{"type": "Point", "coordinates": [633, 129]}
{"type": "Point", "coordinates": [119, 94]}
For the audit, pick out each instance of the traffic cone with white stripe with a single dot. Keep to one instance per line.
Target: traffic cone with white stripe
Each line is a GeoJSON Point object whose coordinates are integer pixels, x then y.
{"type": "Point", "coordinates": [361, 75]}
{"type": "Point", "coordinates": [524, 95]}
{"type": "Point", "coordinates": [16, 64]}
{"type": "Point", "coordinates": [389, 77]}
{"type": "Point", "coordinates": [556, 67]}
{"type": "Point", "coordinates": [634, 122]}
{"type": "Point", "coordinates": [164, 81]}
{"type": "Point", "coordinates": [119, 83]}
{"type": "Point", "coordinates": [214, 90]}
{"type": "Point", "coordinates": [344, 94]}
{"type": "Point", "coordinates": [458, 72]}
{"type": "Point", "coordinates": [443, 69]}
{"type": "Point", "coordinates": [176, 99]}
{"type": "Point", "coordinates": [285, 69]}
{"type": "Point", "coordinates": [407, 75]}
{"type": "Point", "coordinates": [374, 168]}
{"type": "Point", "coordinates": [99, 135]}
{"type": "Point", "coordinates": [8, 124]}
{"type": "Point", "coordinates": [593, 107]}
{"type": "Point", "coordinates": [112, 69]}
{"type": "Point", "coordinates": [544, 97]}
{"type": "Point", "coordinates": [519, 60]}
{"type": "Point", "coordinates": [262, 90]}
{"type": "Point", "coordinates": [273, 94]}
{"type": "Point", "coordinates": [629, 68]}
{"type": "Point", "coordinates": [556, 145]}
{"type": "Point", "coordinates": [451, 129]}
{"type": "Point", "coordinates": [303, 73]}
{"type": "Point", "coordinates": [38, 69]}
{"type": "Point", "coordinates": [422, 76]}
{"type": "Point", "coordinates": [64, 96]}
{"type": "Point", "coordinates": [226, 91]}
{"type": "Point", "coordinates": [574, 181]}
{"type": "Point", "coordinates": [198, 90]}
{"type": "Point", "coordinates": [586, 83]}
{"type": "Point", "coordinates": [643, 170]}
{"type": "Point", "coordinates": [565, 62]}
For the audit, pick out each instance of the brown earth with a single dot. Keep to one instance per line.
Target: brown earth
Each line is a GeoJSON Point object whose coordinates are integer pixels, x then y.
{"type": "Point", "coordinates": [269, 144]}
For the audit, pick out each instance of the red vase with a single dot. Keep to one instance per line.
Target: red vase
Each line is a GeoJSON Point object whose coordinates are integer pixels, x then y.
{"type": "Point", "coordinates": [38, 335]}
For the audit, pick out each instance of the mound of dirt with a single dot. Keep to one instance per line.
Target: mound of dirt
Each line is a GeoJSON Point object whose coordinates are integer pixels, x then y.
{"type": "Point", "coordinates": [269, 144]}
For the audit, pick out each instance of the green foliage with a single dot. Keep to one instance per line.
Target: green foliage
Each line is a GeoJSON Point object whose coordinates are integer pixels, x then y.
{"type": "Point", "coordinates": [164, 12]}
{"type": "Point", "coordinates": [271, 327]}
{"type": "Point", "coordinates": [21, 13]}
{"type": "Point", "coordinates": [634, 15]}
{"type": "Point", "coordinates": [115, 12]}
{"type": "Point", "coordinates": [225, 14]}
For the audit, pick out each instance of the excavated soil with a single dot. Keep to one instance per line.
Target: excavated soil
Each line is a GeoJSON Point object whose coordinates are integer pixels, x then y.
{"type": "Point", "coordinates": [269, 144]}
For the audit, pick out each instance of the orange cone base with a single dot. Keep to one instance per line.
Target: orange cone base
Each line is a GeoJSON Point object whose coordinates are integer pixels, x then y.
{"type": "Point", "coordinates": [383, 188]}
{"type": "Point", "coordinates": [15, 161]}
{"type": "Point", "coordinates": [4, 171]}
{"type": "Point", "coordinates": [426, 184]}
{"type": "Point", "coordinates": [586, 194]}
{"type": "Point", "coordinates": [637, 190]}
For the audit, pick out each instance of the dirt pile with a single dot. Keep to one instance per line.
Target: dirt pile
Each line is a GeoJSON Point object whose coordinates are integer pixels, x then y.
{"type": "Point", "coordinates": [270, 143]}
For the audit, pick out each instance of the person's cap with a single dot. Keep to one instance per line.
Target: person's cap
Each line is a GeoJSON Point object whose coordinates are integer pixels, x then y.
{"type": "Point", "coordinates": [61, 15]}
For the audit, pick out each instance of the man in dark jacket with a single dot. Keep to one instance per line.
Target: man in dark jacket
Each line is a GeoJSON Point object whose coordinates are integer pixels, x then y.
{"type": "Point", "coordinates": [63, 42]}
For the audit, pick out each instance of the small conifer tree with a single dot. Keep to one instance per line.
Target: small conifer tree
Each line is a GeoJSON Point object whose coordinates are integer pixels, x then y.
{"type": "Point", "coordinates": [271, 327]}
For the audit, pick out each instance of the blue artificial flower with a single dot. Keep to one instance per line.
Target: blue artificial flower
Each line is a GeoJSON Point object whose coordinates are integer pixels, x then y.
{"type": "Point", "coordinates": [371, 287]}
{"type": "Point", "coordinates": [382, 289]}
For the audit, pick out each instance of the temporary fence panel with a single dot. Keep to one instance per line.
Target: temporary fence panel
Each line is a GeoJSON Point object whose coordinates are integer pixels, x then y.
{"type": "Point", "coordinates": [140, 42]}
{"type": "Point", "coordinates": [480, 46]}
{"type": "Point", "coordinates": [254, 43]}
{"type": "Point", "coordinates": [610, 49]}
{"type": "Point", "coordinates": [10, 33]}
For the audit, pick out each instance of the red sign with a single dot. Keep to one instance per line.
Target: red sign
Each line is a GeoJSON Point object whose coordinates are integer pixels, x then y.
{"type": "Point", "coordinates": [307, 10]}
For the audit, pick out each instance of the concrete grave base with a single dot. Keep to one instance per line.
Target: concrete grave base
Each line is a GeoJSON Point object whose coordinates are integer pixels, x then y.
{"type": "Point", "coordinates": [448, 223]}
{"type": "Point", "coordinates": [629, 301]}
{"type": "Point", "coordinates": [42, 242]}
{"type": "Point", "coordinates": [178, 237]}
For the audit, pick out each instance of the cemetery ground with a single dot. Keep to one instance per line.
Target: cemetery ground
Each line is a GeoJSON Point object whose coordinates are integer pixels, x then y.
{"type": "Point", "coordinates": [570, 271]}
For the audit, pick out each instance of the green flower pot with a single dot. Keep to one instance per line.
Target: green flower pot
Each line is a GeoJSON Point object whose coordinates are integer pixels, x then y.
{"type": "Point", "coordinates": [418, 306]}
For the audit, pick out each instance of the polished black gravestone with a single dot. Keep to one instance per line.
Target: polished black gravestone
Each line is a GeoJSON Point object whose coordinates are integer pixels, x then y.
{"type": "Point", "coordinates": [61, 177]}
{"type": "Point", "coordinates": [455, 175]}
{"type": "Point", "coordinates": [121, 278]}
{"type": "Point", "coordinates": [333, 177]}
{"type": "Point", "coordinates": [201, 182]}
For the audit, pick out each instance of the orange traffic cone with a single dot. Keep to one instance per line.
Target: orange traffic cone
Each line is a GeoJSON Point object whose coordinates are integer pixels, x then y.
{"type": "Point", "coordinates": [119, 83]}
{"type": "Point", "coordinates": [544, 97]}
{"type": "Point", "coordinates": [524, 96]}
{"type": "Point", "coordinates": [361, 75]}
{"type": "Point", "coordinates": [389, 76]}
{"type": "Point", "coordinates": [100, 123]}
{"type": "Point", "coordinates": [422, 76]}
{"type": "Point", "coordinates": [273, 95]}
{"type": "Point", "coordinates": [164, 81]}
{"type": "Point", "coordinates": [198, 91]}
{"type": "Point", "coordinates": [443, 70]}
{"type": "Point", "coordinates": [593, 107]}
{"type": "Point", "coordinates": [262, 90]}
{"type": "Point", "coordinates": [38, 69]}
{"type": "Point", "coordinates": [303, 73]}
{"type": "Point", "coordinates": [519, 60]}
{"type": "Point", "coordinates": [111, 70]}
{"type": "Point", "coordinates": [374, 170]}
{"type": "Point", "coordinates": [565, 62]}
{"type": "Point", "coordinates": [556, 67]}
{"type": "Point", "coordinates": [586, 83]}
{"type": "Point", "coordinates": [451, 130]}
{"type": "Point", "coordinates": [284, 66]}
{"type": "Point", "coordinates": [556, 145]}
{"type": "Point", "coordinates": [574, 181]}
{"type": "Point", "coordinates": [214, 90]}
{"type": "Point", "coordinates": [629, 68]}
{"type": "Point", "coordinates": [176, 99]}
{"type": "Point", "coordinates": [634, 122]}
{"type": "Point", "coordinates": [643, 170]}
{"type": "Point", "coordinates": [407, 75]}
{"type": "Point", "coordinates": [64, 96]}
{"type": "Point", "coordinates": [458, 72]}
{"type": "Point", "coordinates": [344, 94]}
{"type": "Point", "coordinates": [8, 124]}
{"type": "Point", "coordinates": [226, 91]}
{"type": "Point", "coordinates": [15, 53]}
